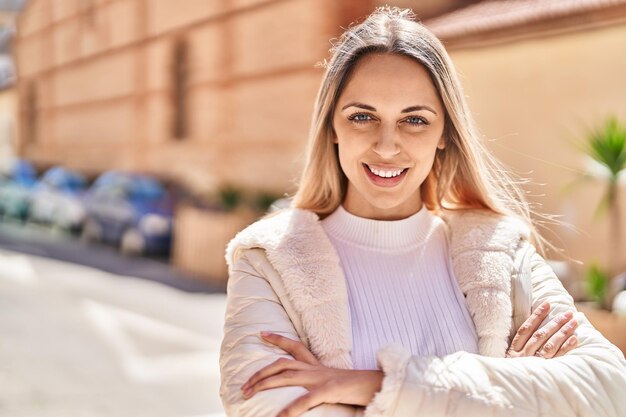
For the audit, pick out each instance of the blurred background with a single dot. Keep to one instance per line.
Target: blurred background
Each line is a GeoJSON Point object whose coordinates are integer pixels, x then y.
{"type": "Point", "coordinates": [138, 136]}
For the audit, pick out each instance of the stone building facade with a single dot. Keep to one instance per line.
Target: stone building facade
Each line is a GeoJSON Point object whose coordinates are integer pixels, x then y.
{"type": "Point", "coordinates": [192, 90]}
{"type": "Point", "coordinates": [212, 92]}
{"type": "Point", "coordinates": [202, 91]}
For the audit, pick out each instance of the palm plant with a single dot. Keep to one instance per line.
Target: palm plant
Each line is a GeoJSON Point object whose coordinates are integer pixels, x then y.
{"type": "Point", "coordinates": [606, 148]}
{"type": "Point", "coordinates": [597, 285]}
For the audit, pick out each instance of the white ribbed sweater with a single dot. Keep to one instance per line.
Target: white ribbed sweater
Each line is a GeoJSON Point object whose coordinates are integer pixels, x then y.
{"type": "Point", "coordinates": [400, 286]}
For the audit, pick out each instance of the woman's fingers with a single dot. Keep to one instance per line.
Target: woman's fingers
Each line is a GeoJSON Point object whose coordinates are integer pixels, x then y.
{"type": "Point", "coordinates": [541, 336]}
{"type": "Point", "coordinates": [296, 348]}
{"type": "Point", "coordinates": [282, 371]}
{"type": "Point", "coordinates": [529, 327]}
{"type": "Point", "coordinates": [569, 344]}
{"type": "Point", "coordinates": [555, 346]}
{"type": "Point", "coordinates": [300, 405]}
{"type": "Point", "coordinates": [275, 367]}
{"type": "Point", "coordinates": [549, 341]}
{"type": "Point", "coordinates": [281, 379]}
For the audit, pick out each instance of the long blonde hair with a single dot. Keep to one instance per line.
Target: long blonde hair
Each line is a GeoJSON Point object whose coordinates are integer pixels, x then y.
{"type": "Point", "coordinates": [464, 175]}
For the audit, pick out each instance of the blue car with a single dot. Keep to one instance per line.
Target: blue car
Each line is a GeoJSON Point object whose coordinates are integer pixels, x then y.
{"type": "Point", "coordinates": [15, 191]}
{"type": "Point", "coordinates": [56, 200]}
{"type": "Point", "coordinates": [131, 211]}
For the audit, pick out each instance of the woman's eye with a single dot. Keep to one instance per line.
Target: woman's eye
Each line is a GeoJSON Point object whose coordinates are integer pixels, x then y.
{"type": "Point", "coordinates": [360, 118]}
{"type": "Point", "coordinates": [415, 120]}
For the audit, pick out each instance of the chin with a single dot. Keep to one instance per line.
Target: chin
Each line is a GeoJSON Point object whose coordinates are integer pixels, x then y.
{"type": "Point", "coordinates": [385, 203]}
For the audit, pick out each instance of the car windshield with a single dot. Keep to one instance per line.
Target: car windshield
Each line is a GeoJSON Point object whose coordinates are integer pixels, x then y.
{"type": "Point", "coordinates": [64, 180]}
{"type": "Point", "coordinates": [146, 188]}
{"type": "Point", "coordinates": [130, 187]}
{"type": "Point", "coordinates": [23, 173]}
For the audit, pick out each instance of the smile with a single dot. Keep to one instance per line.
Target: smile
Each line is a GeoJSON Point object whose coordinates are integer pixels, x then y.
{"type": "Point", "coordinates": [388, 177]}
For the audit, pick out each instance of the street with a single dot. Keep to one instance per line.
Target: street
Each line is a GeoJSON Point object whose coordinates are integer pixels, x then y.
{"type": "Point", "coordinates": [78, 341]}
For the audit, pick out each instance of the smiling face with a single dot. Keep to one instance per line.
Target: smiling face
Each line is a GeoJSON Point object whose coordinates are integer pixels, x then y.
{"type": "Point", "coordinates": [389, 122]}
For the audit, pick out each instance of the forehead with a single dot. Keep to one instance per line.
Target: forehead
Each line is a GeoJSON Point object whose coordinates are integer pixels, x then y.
{"type": "Point", "coordinates": [390, 79]}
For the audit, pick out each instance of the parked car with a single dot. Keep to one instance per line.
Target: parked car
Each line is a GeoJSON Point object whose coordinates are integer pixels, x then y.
{"type": "Point", "coordinates": [131, 211]}
{"type": "Point", "coordinates": [56, 200]}
{"type": "Point", "coordinates": [4, 179]}
{"type": "Point", "coordinates": [15, 191]}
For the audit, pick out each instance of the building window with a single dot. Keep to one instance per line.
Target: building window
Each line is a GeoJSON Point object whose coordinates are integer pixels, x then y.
{"type": "Point", "coordinates": [30, 113]}
{"type": "Point", "coordinates": [179, 88]}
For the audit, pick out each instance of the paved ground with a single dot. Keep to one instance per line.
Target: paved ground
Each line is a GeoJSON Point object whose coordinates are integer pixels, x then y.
{"type": "Point", "coordinates": [76, 341]}
{"type": "Point", "coordinates": [37, 240]}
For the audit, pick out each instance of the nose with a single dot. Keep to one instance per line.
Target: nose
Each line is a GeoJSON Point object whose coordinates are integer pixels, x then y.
{"type": "Point", "coordinates": [386, 146]}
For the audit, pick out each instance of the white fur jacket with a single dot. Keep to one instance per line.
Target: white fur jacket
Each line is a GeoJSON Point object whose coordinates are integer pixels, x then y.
{"type": "Point", "coordinates": [285, 277]}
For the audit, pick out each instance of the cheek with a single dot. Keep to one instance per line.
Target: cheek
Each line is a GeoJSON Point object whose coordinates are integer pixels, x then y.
{"type": "Point", "coordinates": [423, 160]}
{"type": "Point", "coordinates": [346, 159]}
{"type": "Point", "coordinates": [352, 149]}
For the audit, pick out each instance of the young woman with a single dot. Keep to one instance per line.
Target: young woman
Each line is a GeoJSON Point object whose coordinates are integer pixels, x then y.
{"type": "Point", "coordinates": [389, 287]}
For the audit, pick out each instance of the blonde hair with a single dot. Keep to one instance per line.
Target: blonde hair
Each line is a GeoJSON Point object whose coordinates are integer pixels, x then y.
{"type": "Point", "coordinates": [464, 175]}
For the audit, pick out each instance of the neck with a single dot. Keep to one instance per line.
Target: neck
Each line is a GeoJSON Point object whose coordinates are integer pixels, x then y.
{"type": "Point", "coordinates": [361, 208]}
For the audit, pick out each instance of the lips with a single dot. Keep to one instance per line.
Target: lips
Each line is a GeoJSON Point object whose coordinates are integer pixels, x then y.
{"type": "Point", "coordinates": [385, 171]}
{"type": "Point", "coordinates": [385, 181]}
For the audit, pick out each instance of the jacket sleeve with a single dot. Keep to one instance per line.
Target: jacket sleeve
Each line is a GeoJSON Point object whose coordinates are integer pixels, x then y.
{"type": "Point", "coordinates": [588, 381]}
{"type": "Point", "coordinates": [252, 306]}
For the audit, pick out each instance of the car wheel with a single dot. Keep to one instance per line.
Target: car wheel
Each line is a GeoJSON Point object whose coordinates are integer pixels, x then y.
{"type": "Point", "coordinates": [92, 232]}
{"type": "Point", "coordinates": [132, 243]}
{"type": "Point", "coordinates": [76, 229]}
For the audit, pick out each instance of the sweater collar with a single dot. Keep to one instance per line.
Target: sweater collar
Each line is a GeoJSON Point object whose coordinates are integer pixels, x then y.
{"type": "Point", "coordinates": [379, 234]}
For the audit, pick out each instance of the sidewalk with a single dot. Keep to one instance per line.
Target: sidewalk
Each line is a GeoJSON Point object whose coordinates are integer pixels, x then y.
{"type": "Point", "coordinates": [76, 341]}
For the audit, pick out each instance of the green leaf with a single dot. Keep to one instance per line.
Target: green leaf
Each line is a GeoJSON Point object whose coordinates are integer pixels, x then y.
{"type": "Point", "coordinates": [603, 207]}
{"type": "Point", "coordinates": [230, 197]}
{"type": "Point", "coordinates": [607, 145]}
{"type": "Point", "coordinates": [568, 188]}
{"type": "Point", "coordinates": [597, 282]}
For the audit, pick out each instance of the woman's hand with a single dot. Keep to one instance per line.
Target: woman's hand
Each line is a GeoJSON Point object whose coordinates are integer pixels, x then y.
{"type": "Point", "coordinates": [555, 339]}
{"type": "Point", "coordinates": [325, 385]}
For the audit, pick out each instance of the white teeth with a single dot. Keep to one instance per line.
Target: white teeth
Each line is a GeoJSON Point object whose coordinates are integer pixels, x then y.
{"type": "Point", "coordinates": [385, 174]}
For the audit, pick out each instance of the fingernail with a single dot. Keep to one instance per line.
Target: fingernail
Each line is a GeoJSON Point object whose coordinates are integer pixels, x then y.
{"type": "Point", "coordinates": [265, 334]}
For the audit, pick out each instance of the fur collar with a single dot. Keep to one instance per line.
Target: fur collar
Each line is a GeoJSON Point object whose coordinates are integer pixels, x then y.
{"type": "Point", "coordinates": [482, 248]}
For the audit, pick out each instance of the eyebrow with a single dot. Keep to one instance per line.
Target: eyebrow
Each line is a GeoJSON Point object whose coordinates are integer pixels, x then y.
{"type": "Point", "coordinates": [407, 110]}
